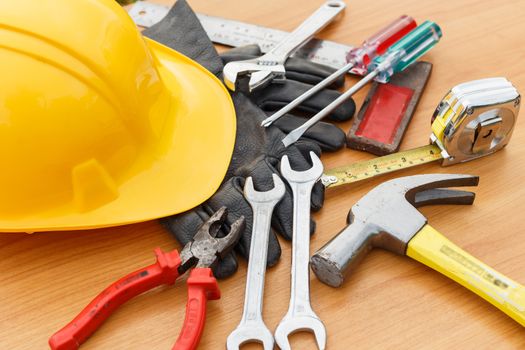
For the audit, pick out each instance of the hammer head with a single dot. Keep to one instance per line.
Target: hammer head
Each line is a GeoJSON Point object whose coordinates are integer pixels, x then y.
{"type": "Point", "coordinates": [390, 208]}
{"type": "Point", "coordinates": [387, 217]}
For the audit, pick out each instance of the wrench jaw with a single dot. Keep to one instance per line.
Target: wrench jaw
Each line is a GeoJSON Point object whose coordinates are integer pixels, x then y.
{"type": "Point", "coordinates": [262, 78]}
{"type": "Point", "coordinates": [293, 324]}
{"type": "Point", "coordinates": [250, 333]}
{"type": "Point", "coordinates": [312, 174]}
{"type": "Point", "coordinates": [272, 196]}
{"type": "Point", "coordinates": [260, 74]}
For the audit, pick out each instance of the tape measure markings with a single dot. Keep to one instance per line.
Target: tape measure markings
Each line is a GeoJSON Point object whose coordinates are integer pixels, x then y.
{"type": "Point", "coordinates": [381, 165]}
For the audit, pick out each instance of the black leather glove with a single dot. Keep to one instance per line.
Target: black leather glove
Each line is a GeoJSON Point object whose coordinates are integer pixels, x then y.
{"type": "Point", "coordinates": [257, 151]}
{"type": "Point", "coordinates": [301, 75]}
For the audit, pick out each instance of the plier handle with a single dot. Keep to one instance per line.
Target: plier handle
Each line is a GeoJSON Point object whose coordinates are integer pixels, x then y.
{"type": "Point", "coordinates": [200, 254]}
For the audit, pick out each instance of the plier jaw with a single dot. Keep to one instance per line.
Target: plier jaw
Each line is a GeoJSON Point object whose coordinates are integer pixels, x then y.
{"type": "Point", "coordinates": [201, 254]}
{"type": "Point", "coordinates": [206, 249]}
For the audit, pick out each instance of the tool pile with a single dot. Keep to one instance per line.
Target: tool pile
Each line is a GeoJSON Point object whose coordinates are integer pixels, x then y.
{"type": "Point", "coordinates": [272, 175]}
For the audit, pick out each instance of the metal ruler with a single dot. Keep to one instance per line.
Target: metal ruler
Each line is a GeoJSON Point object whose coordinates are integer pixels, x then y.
{"type": "Point", "coordinates": [234, 33]}
{"type": "Point", "coordinates": [381, 165]}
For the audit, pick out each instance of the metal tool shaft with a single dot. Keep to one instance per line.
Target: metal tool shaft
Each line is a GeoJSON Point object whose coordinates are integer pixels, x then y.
{"type": "Point", "coordinates": [294, 135]}
{"type": "Point", "coordinates": [357, 58]}
{"type": "Point", "coordinates": [309, 93]}
{"type": "Point", "coordinates": [306, 30]}
{"type": "Point", "coordinates": [253, 298]}
{"type": "Point", "coordinates": [251, 328]}
{"type": "Point", "coordinates": [300, 315]}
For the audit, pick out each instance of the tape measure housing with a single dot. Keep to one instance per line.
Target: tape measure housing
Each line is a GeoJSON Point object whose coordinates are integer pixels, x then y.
{"type": "Point", "coordinates": [474, 119]}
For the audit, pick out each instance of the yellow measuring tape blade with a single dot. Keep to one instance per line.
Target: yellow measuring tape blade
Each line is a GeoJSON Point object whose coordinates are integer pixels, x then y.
{"type": "Point", "coordinates": [381, 165]}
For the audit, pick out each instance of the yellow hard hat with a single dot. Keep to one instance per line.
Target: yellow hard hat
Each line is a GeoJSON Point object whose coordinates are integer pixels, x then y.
{"type": "Point", "coordinates": [100, 126]}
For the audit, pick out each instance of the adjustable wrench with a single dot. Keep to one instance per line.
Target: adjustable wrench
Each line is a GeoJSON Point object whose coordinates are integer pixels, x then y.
{"type": "Point", "coordinates": [252, 327]}
{"type": "Point", "coordinates": [300, 316]}
{"type": "Point", "coordinates": [271, 65]}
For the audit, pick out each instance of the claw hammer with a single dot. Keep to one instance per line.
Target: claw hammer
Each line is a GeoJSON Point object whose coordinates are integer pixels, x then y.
{"type": "Point", "coordinates": [386, 218]}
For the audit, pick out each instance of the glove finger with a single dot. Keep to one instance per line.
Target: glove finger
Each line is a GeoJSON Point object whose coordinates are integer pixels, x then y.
{"type": "Point", "coordinates": [241, 53]}
{"type": "Point", "coordinates": [317, 198]}
{"type": "Point", "coordinates": [276, 96]}
{"type": "Point", "coordinates": [308, 72]}
{"type": "Point", "coordinates": [238, 206]}
{"type": "Point", "coordinates": [274, 249]}
{"type": "Point", "coordinates": [181, 30]}
{"type": "Point", "coordinates": [328, 136]}
{"type": "Point", "coordinates": [185, 225]}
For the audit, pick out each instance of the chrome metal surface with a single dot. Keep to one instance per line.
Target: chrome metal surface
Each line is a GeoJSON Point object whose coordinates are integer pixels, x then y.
{"type": "Point", "coordinates": [480, 118]}
{"type": "Point", "coordinates": [386, 217]}
{"type": "Point", "coordinates": [300, 315]}
{"type": "Point", "coordinates": [270, 66]}
{"type": "Point", "coordinates": [251, 327]}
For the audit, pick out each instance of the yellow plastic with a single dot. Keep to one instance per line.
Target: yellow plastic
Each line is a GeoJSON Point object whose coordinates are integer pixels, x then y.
{"type": "Point", "coordinates": [98, 125]}
{"type": "Point", "coordinates": [439, 124]}
{"type": "Point", "coordinates": [434, 250]}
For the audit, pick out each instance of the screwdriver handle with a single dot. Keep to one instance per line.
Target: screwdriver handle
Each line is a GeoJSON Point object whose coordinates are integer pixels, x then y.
{"type": "Point", "coordinates": [406, 51]}
{"type": "Point", "coordinates": [378, 43]}
{"type": "Point", "coordinates": [358, 59]}
{"type": "Point", "coordinates": [164, 271]}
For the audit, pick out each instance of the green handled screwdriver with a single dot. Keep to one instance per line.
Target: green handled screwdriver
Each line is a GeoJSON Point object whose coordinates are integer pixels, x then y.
{"type": "Point", "coordinates": [397, 58]}
{"type": "Point", "coordinates": [358, 60]}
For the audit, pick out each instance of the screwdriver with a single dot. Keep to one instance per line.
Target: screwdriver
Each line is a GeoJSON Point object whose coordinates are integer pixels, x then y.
{"type": "Point", "coordinates": [358, 59]}
{"type": "Point", "coordinates": [398, 57]}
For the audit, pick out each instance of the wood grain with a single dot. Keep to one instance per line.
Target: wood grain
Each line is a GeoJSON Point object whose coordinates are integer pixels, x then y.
{"type": "Point", "coordinates": [391, 302]}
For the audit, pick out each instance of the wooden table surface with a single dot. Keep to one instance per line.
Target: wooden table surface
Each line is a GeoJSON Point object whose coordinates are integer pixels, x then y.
{"type": "Point", "coordinates": [391, 302]}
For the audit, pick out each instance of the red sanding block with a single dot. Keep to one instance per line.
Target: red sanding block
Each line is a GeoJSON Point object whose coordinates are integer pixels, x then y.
{"type": "Point", "coordinates": [388, 108]}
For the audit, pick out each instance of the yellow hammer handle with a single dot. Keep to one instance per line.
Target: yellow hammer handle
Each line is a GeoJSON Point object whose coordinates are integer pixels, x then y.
{"type": "Point", "coordinates": [436, 251]}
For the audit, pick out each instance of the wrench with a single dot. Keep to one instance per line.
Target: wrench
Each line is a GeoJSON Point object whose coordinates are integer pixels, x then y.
{"type": "Point", "coordinates": [300, 316]}
{"type": "Point", "coordinates": [252, 327]}
{"type": "Point", "coordinates": [270, 66]}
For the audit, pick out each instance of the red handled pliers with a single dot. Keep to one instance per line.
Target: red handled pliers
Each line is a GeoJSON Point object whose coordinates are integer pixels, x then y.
{"type": "Point", "coordinates": [201, 253]}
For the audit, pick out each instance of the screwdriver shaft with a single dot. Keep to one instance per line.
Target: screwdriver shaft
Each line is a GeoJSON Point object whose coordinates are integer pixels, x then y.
{"type": "Point", "coordinates": [294, 135]}
{"type": "Point", "coordinates": [306, 95]}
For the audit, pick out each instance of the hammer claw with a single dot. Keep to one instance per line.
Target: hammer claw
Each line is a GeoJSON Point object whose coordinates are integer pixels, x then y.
{"type": "Point", "coordinates": [443, 196]}
{"type": "Point", "coordinates": [416, 184]}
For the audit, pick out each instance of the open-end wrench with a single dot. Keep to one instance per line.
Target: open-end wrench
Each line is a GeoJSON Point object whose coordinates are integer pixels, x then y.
{"type": "Point", "coordinates": [300, 316]}
{"type": "Point", "coordinates": [271, 65]}
{"type": "Point", "coordinates": [252, 327]}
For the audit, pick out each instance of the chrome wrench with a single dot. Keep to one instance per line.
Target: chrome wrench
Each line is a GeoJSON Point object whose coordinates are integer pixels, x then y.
{"type": "Point", "coordinates": [270, 66]}
{"type": "Point", "coordinates": [252, 327]}
{"type": "Point", "coordinates": [300, 316]}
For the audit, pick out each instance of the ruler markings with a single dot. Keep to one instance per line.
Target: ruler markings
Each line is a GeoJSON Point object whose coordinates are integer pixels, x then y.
{"type": "Point", "coordinates": [382, 165]}
{"type": "Point", "coordinates": [235, 33]}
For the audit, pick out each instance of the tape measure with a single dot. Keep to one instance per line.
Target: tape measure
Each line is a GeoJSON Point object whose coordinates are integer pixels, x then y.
{"type": "Point", "coordinates": [381, 165]}
{"type": "Point", "coordinates": [235, 33]}
{"type": "Point", "coordinates": [473, 120]}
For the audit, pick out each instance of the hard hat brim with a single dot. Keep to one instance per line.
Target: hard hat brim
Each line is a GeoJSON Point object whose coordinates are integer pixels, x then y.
{"type": "Point", "coordinates": [183, 171]}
